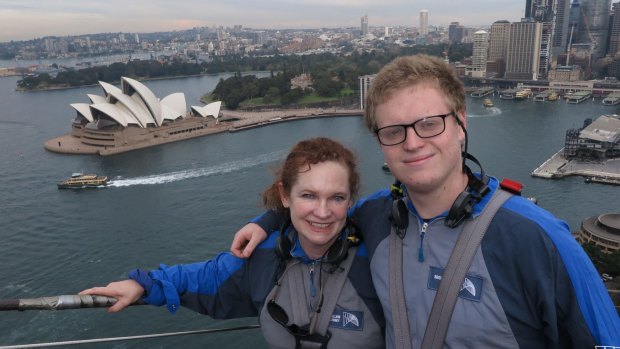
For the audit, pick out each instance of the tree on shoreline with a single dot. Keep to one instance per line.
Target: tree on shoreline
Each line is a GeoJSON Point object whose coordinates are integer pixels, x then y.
{"type": "Point", "coordinates": [331, 73]}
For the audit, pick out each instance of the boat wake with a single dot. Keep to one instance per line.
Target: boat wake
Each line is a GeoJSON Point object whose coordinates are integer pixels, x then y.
{"type": "Point", "coordinates": [197, 172]}
{"type": "Point", "coordinates": [492, 111]}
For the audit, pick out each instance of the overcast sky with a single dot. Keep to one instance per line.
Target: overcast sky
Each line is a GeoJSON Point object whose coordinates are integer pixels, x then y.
{"type": "Point", "coordinates": [29, 19]}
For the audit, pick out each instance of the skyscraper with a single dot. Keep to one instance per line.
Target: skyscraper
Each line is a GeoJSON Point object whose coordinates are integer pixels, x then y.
{"type": "Point", "coordinates": [455, 32]}
{"type": "Point", "coordinates": [561, 29]}
{"type": "Point", "coordinates": [593, 25]}
{"type": "Point", "coordinates": [614, 39]}
{"type": "Point", "coordinates": [554, 16]}
{"type": "Point", "coordinates": [479, 57]}
{"type": "Point", "coordinates": [364, 29]}
{"type": "Point", "coordinates": [423, 22]}
{"type": "Point", "coordinates": [498, 39]}
{"type": "Point", "coordinates": [523, 52]}
{"type": "Point", "coordinates": [498, 44]}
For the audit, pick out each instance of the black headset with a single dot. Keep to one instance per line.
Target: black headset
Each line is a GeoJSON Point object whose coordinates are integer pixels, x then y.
{"type": "Point", "coordinates": [337, 252]}
{"type": "Point", "coordinates": [462, 207]}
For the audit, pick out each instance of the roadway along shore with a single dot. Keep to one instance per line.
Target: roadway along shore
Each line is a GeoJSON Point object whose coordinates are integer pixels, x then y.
{"type": "Point", "coordinates": [229, 121]}
{"type": "Point", "coordinates": [257, 119]}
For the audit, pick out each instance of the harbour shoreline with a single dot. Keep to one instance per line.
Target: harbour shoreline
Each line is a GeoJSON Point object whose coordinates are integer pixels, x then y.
{"type": "Point", "coordinates": [229, 121]}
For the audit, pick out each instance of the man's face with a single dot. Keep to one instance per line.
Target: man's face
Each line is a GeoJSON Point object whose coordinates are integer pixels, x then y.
{"type": "Point", "coordinates": [424, 165]}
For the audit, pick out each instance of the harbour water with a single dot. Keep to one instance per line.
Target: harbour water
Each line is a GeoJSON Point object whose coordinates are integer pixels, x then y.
{"type": "Point", "coordinates": [182, 202]}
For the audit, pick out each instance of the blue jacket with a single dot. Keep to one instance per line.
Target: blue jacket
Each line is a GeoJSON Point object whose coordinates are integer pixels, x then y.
{"type": "Point", "coordinates": [530, 285]}
{"type": "Point", "coordinates": [229, 287]}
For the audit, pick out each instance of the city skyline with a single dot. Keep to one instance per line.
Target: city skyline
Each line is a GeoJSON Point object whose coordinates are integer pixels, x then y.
{"type": "Point", "coordinates": [30, 19]}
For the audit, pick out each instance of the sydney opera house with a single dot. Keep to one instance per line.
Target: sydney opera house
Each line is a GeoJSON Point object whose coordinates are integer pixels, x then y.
{"type": "Point", "coordinates": [132, 117]}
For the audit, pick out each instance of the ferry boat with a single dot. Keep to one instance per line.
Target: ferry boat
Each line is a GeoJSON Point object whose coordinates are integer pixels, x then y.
{"type": "Point", "coordinates": [553, 96]}
{"type": "Point", "coordinates": [523, 94]}
{"type": "Point", "coordinates": [487, 102]}
{"type": "Point", "coordinates": [79, 180]}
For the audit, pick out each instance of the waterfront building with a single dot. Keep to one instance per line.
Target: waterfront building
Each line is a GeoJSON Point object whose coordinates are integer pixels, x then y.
{"type": "Point", "coordinates": [479, 57]}
{"type": "Point", "coordinates": [523, 52]}
{"type": "Point", "coordinates": [566, 73]}
{"type": "Point", "coordinates": [598, 139]}
{"type": "Point", "coordinates": [423, 22]}
{"type": "Point", "coordinates": [498, 45]}
{"type": "Point", "coordinates": [132, 117]}
{"type": "Point", "coordinates": [603, 231]}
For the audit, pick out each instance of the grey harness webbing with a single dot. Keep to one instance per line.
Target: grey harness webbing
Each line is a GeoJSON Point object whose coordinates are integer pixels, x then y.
{"type": "Point", "coordinates": [328, 296]}
{"type": "Point", "coordinates": [299, 308]}
{"type": "Point", "coordinates": [452, 279]}
{"type": "Point", "coordinates": [333, 290]}
{"type": "Point", "coordinates": [400, 321]}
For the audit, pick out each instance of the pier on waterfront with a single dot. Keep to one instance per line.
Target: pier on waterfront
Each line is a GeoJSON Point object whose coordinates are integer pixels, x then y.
{"type": "Point", "coordinates": [557, 166]}
{"type": "Point", "coordinates": [485, 91]}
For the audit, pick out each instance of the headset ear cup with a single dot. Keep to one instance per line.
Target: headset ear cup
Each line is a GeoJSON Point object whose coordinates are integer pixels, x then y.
{"type": "Point", "coordinates": [338, 251]}
{"type": "Point", "coordinates": [283, 243]}
{"type": "Point", "coordinates": [461, 209]}
{"type": "Point", "coordinates": [400, 214]}
{"type": "Point", "coordinates": [283, 247]}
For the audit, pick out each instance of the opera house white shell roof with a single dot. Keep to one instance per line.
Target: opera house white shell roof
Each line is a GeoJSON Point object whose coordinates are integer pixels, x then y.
{"type": "Point", "coordinates": [136, 105]}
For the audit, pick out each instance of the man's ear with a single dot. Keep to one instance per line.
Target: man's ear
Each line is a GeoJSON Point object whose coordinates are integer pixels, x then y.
{"type": "Point", "coordinates": [462, 118]}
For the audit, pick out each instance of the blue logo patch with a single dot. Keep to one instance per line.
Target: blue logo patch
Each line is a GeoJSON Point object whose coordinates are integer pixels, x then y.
{"type": "Point", "coordinates": [347, 320]}
{"type": "Point", "coordinates": [471, 288]}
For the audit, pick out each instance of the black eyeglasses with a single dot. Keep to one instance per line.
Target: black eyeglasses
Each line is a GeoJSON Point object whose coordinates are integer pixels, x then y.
{"type": "Point", "coordinates": [427, 127]}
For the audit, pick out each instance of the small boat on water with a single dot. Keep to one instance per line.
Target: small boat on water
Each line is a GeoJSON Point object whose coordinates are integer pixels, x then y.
{"type": "Point", "coordinates": [79, 180]}
{"type": "Point", "coordinates": [553, 96]}
{"type": "Point", "coordinates": [487, 102]}
{"type": "Point", "coordinates": [523, 94]}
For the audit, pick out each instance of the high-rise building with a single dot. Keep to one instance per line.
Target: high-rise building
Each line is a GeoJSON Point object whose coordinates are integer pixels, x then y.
{"type": "Point", "coordinates": [260, 37]}
{"type": "Point", "coordinates": [498, 39]}
{"type": "Point", "coordinates": [423, 22]}
{"type": "Point", "coordinates": [523, 52]}
{"type": "Point", "coordinates": [478, 67]}
{"type": "Point", "coordinates": [593, 25]}
{"type": "Point", "coordinates": [561, 27]}
{"type": "Point", "coordinates": [498, 45]}
{"type": "Point", "coordinates": [554, 16]}
{"type": "Point", "coordinates": [614, 39]}
{"type": "Point", "coordinates": [455, 32]}
{"type": "Point", "coordinates": [364, 28]}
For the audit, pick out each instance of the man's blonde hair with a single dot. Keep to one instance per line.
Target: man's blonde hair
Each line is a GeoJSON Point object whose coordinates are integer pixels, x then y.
{"type": "Point", "coordinates": [408, 71]}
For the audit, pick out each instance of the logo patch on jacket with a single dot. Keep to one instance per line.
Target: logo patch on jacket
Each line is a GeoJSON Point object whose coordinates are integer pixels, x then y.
{"type": "Point", "coordinates": [347, 320]}
{"type": "Point", "coordinates": [471, 288]}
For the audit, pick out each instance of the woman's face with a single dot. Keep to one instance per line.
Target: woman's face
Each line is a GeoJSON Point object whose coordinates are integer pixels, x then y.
{"type": "Point", "coordinates": [318, 204]}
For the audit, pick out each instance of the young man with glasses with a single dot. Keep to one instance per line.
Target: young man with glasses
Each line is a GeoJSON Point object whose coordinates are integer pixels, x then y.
{"type": "Point", "coordinates": [530, 285]}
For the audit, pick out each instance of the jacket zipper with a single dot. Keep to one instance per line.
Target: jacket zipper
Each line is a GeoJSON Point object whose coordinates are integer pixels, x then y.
{"type": "Point", "coordinates": [421, 248]}
{"type": "Point", "coordinates": [312, 287]}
